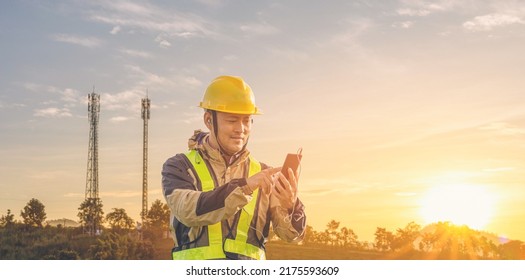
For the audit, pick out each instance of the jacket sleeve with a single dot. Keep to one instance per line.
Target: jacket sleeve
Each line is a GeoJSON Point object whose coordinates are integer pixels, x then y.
{"type": "Point", "coordinates": [289, 225]}
{"type": "Point", "coordinates": [196, 208]}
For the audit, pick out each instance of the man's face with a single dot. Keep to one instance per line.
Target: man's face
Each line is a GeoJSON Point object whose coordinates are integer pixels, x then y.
{"type": "Point", "coordinates": [234, 130]}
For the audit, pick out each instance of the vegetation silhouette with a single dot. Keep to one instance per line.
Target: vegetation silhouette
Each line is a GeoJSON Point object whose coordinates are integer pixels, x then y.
{"type": "Point", "coordinates": [34, 213]}
{"type": "Point", "coordinates": [91, 215]}
{"type": "Point", "coordinates": [30, 239]}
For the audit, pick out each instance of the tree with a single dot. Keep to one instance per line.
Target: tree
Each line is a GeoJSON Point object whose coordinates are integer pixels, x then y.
{"type": "Point", "coordinates": [64, 254]}
{"type": "Point", "coordinates": [428, 240]}
{"type": "Point", "coordinates": [323, 237]}
{"type": "Point", "coordinates": [309, 235]}
{"type": "Point", "coordinates": [348, 238]}
{"type": "Point", "coordinates": [488, 248]}
{"type": "Point", "coordinates": [331, 231]}
{"type": "Point", "coordinates": [383, 240]}
{"type": "Point", "coordinates": [91, 215]}
{"type": "Point", "coordinates": [158, 217]}
{"type": "Point", "coordinates": [7, 220]}
{"type": "Point", "coordinates": [112, 246]}
{"type": "Point", "coordinates": [34, 213]}
{"type": "Point", "coordinates": [118, 220]}
{"type": "Point", "coordinates": [449, 241]}
{"type": "Point", "coordinates": [404, 239]}
{"type": "Point", "coordinates": [512, 250]}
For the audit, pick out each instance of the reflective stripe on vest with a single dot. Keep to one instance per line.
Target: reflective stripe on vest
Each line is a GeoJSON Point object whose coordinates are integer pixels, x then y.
{"type": "Point", "coordinates": [215, 248]}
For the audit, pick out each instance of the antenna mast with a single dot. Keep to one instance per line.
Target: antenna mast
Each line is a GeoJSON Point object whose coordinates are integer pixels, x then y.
{"type": "Point", "coordinates": [91, 194]}
{"type": "Point", "coordinates": [145, 117]}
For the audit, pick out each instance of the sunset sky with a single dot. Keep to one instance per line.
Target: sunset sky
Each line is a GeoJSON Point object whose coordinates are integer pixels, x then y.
{"type": "Point", "coordinates": [405, 110]}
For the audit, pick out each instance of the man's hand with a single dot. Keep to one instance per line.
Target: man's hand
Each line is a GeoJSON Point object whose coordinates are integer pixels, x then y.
{"type": "Point", "coordinates": [264, 180]}
{"type": "Point", "coordinates": [286, 190]}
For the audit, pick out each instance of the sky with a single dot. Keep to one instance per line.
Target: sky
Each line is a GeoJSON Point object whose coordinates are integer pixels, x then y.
{"type": "Point", "coordinates": [391, 101]}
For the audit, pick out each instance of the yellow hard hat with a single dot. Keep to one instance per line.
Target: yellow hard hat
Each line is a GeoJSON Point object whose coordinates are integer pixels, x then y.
{"type": "Point", "coordinates": [230, 94]}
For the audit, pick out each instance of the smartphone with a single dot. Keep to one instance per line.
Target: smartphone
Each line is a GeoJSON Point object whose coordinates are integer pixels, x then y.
{"type": "Point", "coordinates": [292, 161]}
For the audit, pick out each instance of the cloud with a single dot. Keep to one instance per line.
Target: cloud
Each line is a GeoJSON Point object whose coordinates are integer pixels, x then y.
{"type": "Point", "coordinates": [290, 54]}
{"type": "Point", "coordinates": [211, 3]}
{"type": "Point", "coordinates": [115, 30]}
{"type": "Point", "coordinates": [52, 112]}
{"type": "Point", "coordinates": [404, 24]}
{"type": "Point", "coordinates": [147, 79]}
{"type": "Point", "coordinates": [354, 28]}
{"type": "Point", "coordinates": [49, 175]}
{"type": "Point", "coordinates": [71, 97]}
{"type": "Point", "coordinates": [259, 29]}
{"type": "Point", "coordinates": [150, 18]}
{"type": "Point", "coordinates": [319, 192]}
{"type": "Point", "coordinates": [11, 105]}
{"type": "Point", "coordinates": [136, 53]}
{"type": "Point", "coordinates": [118, 119]}
{"type": "Point", "coordinates": [405, 194]}
{"type": "Point", "coordinates": [412, 12]}
{"type": "Point", "coordinates": [89, 42]}
{"type": "Point", "coordinates": [124, 194]}
{"type": "Point", "coordinates": [490, 21]}
{"type": "Point", "coordinates": [191, 117]}
{"type": "Point", "coordinates": [498, 169]}
{"type": "Point", "coordinates": [32, 87]}
{"type": "Point", "coordinates": [131, 8]}
{"type": "Point", "coordinates": [190, 81]}
{"type": "Point", "coordinates": [230, 57]}
{"type": "Point", "coordinates": [421, 8]}
{"type": "Point", "coordinates": [73, 195]}
{"type": "Point", "coordinates": [128, 99]}
{"type": "Point", "coordinates": [503, 128]}
{"type": "Point", "coordinates": [342, 185]}
{"type": "Point", "coordinates": [163, 43]}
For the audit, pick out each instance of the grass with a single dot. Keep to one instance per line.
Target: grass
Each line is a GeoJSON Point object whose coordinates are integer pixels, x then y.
{"type": "Point", "coordinates": [279, 250]}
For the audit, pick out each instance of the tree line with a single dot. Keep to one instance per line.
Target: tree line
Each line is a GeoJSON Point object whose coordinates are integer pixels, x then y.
{"type": "Point", "coordinates": [117, 236]}
{"type": "Point", "coordinates": [99, 236]}
{"type": "Point", "coordinates": [441, 240]}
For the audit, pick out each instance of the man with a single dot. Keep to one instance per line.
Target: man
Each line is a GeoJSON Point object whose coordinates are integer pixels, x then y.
{"type": "Point", "coordinates": [222, 200]}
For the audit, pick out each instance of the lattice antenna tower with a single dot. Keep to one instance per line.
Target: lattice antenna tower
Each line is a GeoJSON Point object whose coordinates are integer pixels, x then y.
{"type": "Point", "coordinates": [92, 164]}
{"type": "Point", "coordinates": [145, 117]}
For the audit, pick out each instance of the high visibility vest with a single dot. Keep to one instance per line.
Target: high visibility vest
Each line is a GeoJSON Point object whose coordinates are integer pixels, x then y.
{"type": "Point", "coordinates": [214, 249]}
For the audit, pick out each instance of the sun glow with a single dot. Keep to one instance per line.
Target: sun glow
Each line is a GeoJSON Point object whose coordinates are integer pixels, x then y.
{"type": "Point", "coordinates": [461, 204]}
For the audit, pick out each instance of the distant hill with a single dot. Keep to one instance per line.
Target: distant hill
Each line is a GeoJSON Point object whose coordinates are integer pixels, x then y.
{"type": "Point", "coordinates": [63, 222]}
{"type": "Point", "coordinates": [490, 236]}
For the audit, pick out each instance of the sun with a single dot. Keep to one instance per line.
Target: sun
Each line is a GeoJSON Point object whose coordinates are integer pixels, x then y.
{"type": "Point", "coordinates": [461, 204]}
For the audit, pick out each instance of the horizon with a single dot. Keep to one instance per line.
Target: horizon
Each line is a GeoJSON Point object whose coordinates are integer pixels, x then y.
{"type": "Point", "coordinates": [407, 111]}
{"type": "Point", "coordinates": [423, 228]}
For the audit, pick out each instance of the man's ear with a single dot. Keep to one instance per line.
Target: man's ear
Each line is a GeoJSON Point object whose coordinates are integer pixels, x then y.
{"type": "Point", "coordinates": [207, 120]}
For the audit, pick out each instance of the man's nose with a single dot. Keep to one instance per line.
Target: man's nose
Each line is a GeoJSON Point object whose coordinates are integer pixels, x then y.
{"type": "Point", "coordinates": [240, 127]}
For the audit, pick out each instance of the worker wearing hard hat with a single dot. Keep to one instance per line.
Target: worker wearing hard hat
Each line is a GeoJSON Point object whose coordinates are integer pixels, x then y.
{"type": "Point", "coordinates": [222, 200]}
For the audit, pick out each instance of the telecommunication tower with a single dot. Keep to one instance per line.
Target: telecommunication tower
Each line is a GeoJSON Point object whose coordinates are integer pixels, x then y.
{"type": "Point", "coordinates": [92, 164]}
{"type": "Point", "coordinates": [145, 117]}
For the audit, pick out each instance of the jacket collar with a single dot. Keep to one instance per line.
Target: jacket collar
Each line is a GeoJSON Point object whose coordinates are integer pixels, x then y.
{"type": "Point", "coordinates": [199, 141]}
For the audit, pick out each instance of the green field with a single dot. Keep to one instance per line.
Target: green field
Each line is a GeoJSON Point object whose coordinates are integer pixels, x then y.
{"type": "Point", "coordinates": [277, 250]}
